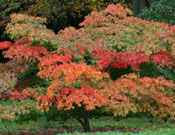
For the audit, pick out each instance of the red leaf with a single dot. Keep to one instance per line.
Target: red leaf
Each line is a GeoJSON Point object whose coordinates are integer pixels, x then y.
{"type": "Point", "coordinates": [5, 44]}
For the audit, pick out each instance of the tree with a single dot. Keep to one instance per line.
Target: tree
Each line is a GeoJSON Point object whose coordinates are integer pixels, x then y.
{"type": "Point", "coordinates": [75, 87]}
{"type": "Point", "coordinates": [138, 5]}
{"type": "Point", "coordinates": [160, 11]}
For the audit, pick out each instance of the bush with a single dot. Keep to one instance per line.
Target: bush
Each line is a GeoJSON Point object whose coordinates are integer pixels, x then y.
{"type": "Point", "coordinates": [8, 80]}
{"type": "Point", "coordinates": [12, 112]}
{"type": "Point", "coordinates": [160, 11]}
{"type": "Point", "coordinates": [21, 66]}
{"type": "Point", "coordinates": [33, 27]}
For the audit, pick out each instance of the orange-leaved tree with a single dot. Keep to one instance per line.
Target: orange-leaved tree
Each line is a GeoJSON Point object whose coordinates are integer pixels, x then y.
{"type": "Point", "coordinates": [73, 86]}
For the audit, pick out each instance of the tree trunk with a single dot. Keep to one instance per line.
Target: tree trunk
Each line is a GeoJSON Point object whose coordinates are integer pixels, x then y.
{"type": "Point", "coordinates": [138, 5]}
{"type": "Point", "coordinates": [85, 121]}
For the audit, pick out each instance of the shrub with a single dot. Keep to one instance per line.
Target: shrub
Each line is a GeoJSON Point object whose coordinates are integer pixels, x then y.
{"type": "Point", "coordinates": [24, 58]}
{"type": "Point", "coordinates": [34, 29]}
{"type": "Point", "coordinates": [8, 79]}
{"type": "Point", "coordinates": [12, 112]}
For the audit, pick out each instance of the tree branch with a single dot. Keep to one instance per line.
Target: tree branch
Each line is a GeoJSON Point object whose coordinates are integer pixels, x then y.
{"type": "Point", "coordinates": [79, 120]}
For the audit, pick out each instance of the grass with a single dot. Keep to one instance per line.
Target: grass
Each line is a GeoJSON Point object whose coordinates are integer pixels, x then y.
{"type": "Point", "coordinates": [159, 132]}
{"type": "Point", "coordinates": [102, 122]}
{"type": "Point", "coordinates": [6, 126]}
{"type": "Point", "coordinates": [109, 121]}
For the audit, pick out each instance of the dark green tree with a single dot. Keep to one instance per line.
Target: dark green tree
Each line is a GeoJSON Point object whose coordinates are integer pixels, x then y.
{"type": "Point", "coordinates": [160, 11]}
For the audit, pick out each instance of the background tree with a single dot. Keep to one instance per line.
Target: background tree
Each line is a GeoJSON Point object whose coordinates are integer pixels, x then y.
{"type": "Point", "coordinates": [160, 11]}
{"type": "Point", "coordinates": [138, 5]}
{"type": "Point", "coordinates": [59, 14]}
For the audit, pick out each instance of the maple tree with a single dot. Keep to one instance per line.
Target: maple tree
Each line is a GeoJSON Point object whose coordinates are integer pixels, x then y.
{"type": "Point", "coordinates": [74, 86]}
{"type": "Point", "coordinates": [21, 55]}
{"type": "Point", "coordinates": [72, 82]}
{"type": "Point", "coordinates": [130, 93]}
{"type": "Point", "coordinates": [34, 28]}
{"type": "Point", "coordinates": [120, 33]}
{"type": "Point", "coordinates": [119, 63]}
{"type": "Point", "coordinates": [120, 60]}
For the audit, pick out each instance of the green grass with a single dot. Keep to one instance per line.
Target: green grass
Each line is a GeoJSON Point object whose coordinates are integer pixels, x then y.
{"type": "Point", "coordinates": [159, 132]}
{"type": "Point", "coordinates": [124, 123]}
{"type": "Point", "coordinates": [103, 122]}
{"type": "Point", "coordinates": [6, 126]}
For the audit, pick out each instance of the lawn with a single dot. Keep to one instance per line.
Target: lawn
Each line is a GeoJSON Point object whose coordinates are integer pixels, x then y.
{"type": "Point", "coordinates": [106, 124]}
{"type": "Point", "coordinates": [159, 132]}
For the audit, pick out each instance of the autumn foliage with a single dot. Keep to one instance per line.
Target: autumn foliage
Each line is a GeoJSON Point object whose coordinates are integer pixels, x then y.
{"type": "Point", "coordinates": [120, 33]}
{"type": "Point", "coordinates": [124, 60]}
{"type": "Point", "coordinates": [20, 53]}
{"type": "Point", "coordinates": [130, 93]}
{"type": "Point", "coordinates": [74, 85]}
{"type": "Point", "coordinates": [78, 71]}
